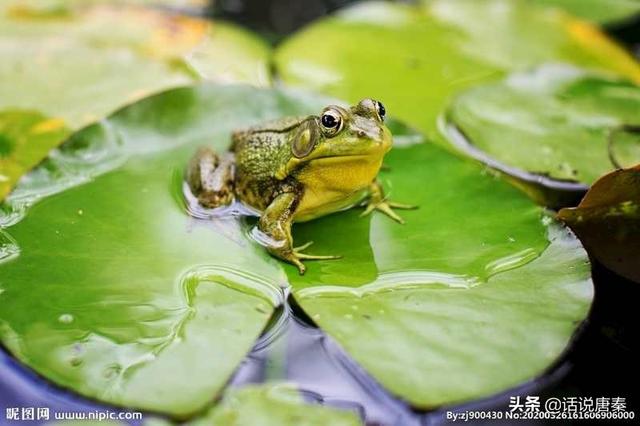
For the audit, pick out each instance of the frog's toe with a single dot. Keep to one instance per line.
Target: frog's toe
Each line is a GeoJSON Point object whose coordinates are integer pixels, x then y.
{"type": "Point", "coordinates": [387, 207]}
{"type": "Point", "coordinates": [368, 209]}
{"type": "Point", "coordinates": [401, 206]}
{"type": "Point", "coordinates": [292, 258]}
{"type": "Point", "coordinates": [305, 256]}
{"type": "Point", "coordinates": [297, 252]}
{"type": "Point", "coordinates": [302, 247]}
{"type": "Point", "coordinates": [301, 268]}
{"type": "Point", "coordinates": [295, 257]}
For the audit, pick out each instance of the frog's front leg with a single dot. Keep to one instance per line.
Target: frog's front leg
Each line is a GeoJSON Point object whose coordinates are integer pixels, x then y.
{"type": "Point", "coordinates": [275, 223]}
{"type": "Point", "coordinates": [211, 177]}
{"type": "Point", "coordinates": [378, 201]}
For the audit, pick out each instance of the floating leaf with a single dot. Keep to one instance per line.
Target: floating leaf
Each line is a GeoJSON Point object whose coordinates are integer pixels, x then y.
{"type": "Point", "coordinates": [415, 59]}
{"type": "Point", "coordinates": [112, 251]}
{"type": "Point", "coordinates": [607, 221]}
{"type": "Point", "coordinates": [110, 287]}
{"type": "Point", "coordinates": [78, 64]}
{"type": "Point", "coordinates": [273, 404]}
{"type": "Point", "coordinates": [477, 293]}
{"type": "Point", "coordinates": [556, 127]}
{"type": "Point", "coordinates": [84, 63]}
{"type": "Point", "coordinates": [601, 11]}
{"type": "Point", "coordinates": [277, 404]}
{"type": "Point", "coordinates": [25, 139]}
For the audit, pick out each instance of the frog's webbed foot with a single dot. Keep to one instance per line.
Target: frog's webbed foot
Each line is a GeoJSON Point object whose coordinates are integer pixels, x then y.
{"type": "Point", "coordinates": [387, 207]}
{"type": "Point", "coordinates": [297, 251]}
{"type": "Point", "coordinates": [275, 222]}
{"type": "Point", "coordinates": [377, 201]}
{"type": "Point", "coordinates": [295, 255]}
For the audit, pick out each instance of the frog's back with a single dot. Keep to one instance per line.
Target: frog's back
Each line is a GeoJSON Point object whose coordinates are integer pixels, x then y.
{"type": "Point", "coordinates": [267, 130]}
{"type": "Point", "coordinates": [259, 151]}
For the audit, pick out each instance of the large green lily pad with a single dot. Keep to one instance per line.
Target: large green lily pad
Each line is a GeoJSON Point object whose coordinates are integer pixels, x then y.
{"type": "Point", "coordinates": [553, 125]}
{"type": "Point", "coordinates": [110, 287]}
{"type": "Point", "coordinates": [477, 270]}
{"type": "Point", "coordinates": [78, 63]}
{"type": "Point", "coordinates": [415, 58]}
{"type": "Point", "coordinates": [478, 292]}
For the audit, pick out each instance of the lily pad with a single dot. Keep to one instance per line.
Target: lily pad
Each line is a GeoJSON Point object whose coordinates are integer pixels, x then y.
{"type": "Point", "coordinates": [277, 404]}
{"type": "Point", "coordinates": [26, 137]}
{"type": "Point", "coordinates": [415, 58]}
{"type": "Point", "coordinates": [78, 64]}
{"type": "Point", "coordinates": [478, 292]}
{"type": "Point", "coordinates": [607, 221]}
{"type": "Point", "coordinates": [110, 287]}
{"type": "Point", "coordinates": [54, 64]}
{"type": "Point", "coordinates": [557, 126]}
{"type": "Point", "coordinates": [600, 11]}
{"type": "Point", "coordinates": [447, 299]}
{"type": "Point", "coordinates": [273, 404]}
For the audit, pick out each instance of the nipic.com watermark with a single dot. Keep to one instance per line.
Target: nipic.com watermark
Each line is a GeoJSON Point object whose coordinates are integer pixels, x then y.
{"type": "Point", "coordinates": [564, 408]}
{"type": "Point", "coordinates": [29, 414]}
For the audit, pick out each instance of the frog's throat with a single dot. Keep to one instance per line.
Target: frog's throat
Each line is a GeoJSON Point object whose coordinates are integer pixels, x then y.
{"type": "Point", "coordinates": [292, 164]}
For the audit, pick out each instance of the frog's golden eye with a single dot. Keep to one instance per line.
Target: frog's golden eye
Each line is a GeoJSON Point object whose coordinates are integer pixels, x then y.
{"type": "Point", "coordinates": [331, 122]}
{"type": "Point", "coordinates": [380, 109]}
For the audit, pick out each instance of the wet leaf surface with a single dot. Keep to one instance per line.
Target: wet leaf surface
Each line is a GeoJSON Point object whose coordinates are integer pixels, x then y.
{"type": "Point", "coordinates": [435, 51]}
{"type": "Point", "coordinates": [553, 126]}
{"type": "Point", "coordinates": [26, 137]}
{"type": "Point", "coordinates": [137, 299]}
{"type": "Point", "coordinates": [478, 292]}
{"type": "Point", "coordinates": [98, 58]}
{"type": "Point", "coordinates": [607, 221]}
{"type": "Point", "coordinates": [78, 63]}
{"type": "Point", "coordinates": [269, 404]}
{"type": "Point", "coordinates": [110, 287]}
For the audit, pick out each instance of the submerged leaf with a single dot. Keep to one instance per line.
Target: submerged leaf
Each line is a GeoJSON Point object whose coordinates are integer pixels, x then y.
{"type": "Point", "coordinates": [557, 127]}
{"type": "Point", "coordinates": [607, 221]}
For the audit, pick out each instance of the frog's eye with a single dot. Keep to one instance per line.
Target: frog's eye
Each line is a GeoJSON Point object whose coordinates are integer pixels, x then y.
{"type": "Point", "coordinates": [331, 121]}
{"type": "Point", "coordinates": [380, 110]}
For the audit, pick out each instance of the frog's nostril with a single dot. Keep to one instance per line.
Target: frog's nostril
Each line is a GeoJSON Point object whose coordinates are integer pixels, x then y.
{"type": "Point", "coordinates": [361, 134]}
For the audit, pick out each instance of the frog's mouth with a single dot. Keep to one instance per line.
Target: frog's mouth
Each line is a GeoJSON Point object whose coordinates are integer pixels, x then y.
{"type": "Point", "coordinates": [349, 160]}
{"type": "Point", "coordinates": [355, 161]}
{"type": "Point", "coordinates": [337, 158]}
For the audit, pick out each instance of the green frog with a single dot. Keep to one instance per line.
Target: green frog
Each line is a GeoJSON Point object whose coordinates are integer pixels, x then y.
{"type": "Point", "coordinates": [296, 169]}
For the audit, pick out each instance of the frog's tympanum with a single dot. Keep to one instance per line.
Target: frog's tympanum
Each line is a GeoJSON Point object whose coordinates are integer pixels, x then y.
{"type": "Point", "coordinates": [297, 169]}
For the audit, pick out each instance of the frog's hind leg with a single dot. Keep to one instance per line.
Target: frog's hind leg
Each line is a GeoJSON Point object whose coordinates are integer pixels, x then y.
{"type": "Point", "coordinates": [275, 224]}
{"type": "Point", "coordinates": [211, 177]}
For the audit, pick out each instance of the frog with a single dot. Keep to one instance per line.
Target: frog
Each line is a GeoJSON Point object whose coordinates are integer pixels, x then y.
{"type": "Point", "coordinates": [296, 169]}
